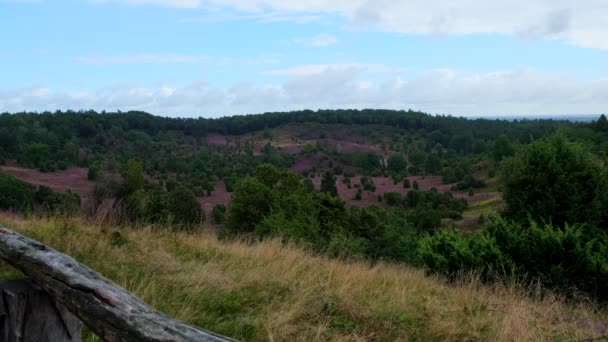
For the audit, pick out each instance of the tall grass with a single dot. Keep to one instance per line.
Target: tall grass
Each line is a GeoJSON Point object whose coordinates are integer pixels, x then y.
{"type": "Point", "coordinates": [269, 291]}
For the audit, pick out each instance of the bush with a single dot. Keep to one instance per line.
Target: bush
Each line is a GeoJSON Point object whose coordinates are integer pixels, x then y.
{"type": "Point", "coordinates": [230, 182]}
{"type": "Point", "coordinates": [250, 203]}
{"type": "Point", "coordinates": [469, 182]}
{"type": "Point", "coordinates": [560, 258]}
{"type": "Point", "coordinates": [448, 252]}
{"type": "Point", "coordinates": [184, 209]}
{"type": "Point", "coordinates": [219, 213]}
{"type": "Point", "coordinates": [93, 172]}
{"type": "Point", "coordinates": [556, 181]}
{"type": "Point", "coordinates": [57, 203]}
{"type": "Point", "coordinates": [156, 209]}
{"type": "Point", "coordinates": [15, 194]}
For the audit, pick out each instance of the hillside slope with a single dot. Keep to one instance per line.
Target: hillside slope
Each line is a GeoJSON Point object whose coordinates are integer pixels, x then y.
{"type": "Point", "coordinates": [268, 291]}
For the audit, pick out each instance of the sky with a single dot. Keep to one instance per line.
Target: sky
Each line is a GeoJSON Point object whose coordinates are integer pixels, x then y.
{"type": "Point", "coordinates": [213, 58]}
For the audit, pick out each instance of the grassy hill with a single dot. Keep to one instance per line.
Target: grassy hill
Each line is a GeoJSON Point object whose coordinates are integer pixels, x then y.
{"type": "Point", "coordinates": [268, 291]}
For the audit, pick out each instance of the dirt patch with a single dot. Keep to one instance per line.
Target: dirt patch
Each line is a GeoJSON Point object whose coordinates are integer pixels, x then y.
{"type": "Point", "coordinates": [303, 163]}
{"type": "Point", "coordinates": [291, 149]}
{"type": "Point", "coordinates": [386, 184]}
{"type": "Point", "coordinates": [383, 185]}
{"type": "Point", "coordinates": [217, 139]}
{"type": "Point", "coordinates": [478, 196]}
{"type": "Point", "coordinates": [218, 196]}
{"type": "Point", "coordinates": [350, 147]}
{"type": "Point", "coordinates": [74, 178]}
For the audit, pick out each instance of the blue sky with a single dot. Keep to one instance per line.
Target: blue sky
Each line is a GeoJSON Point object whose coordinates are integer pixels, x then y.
{"type": "Point", "coordinates": [222, 57]}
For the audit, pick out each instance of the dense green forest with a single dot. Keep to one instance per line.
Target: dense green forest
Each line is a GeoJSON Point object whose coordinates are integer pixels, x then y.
{"type": "Point", "coordinates": [552, 176]}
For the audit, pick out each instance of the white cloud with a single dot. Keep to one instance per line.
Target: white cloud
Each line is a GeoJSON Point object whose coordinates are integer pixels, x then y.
{"type": "Point", "coordinates": [518, 91]}
{"type": "Point", "coordinates": [320, 40]}
{"type": "Point", "coordinates": [40, 92]}
{"type": "Point", "coordinates": [581, 22]}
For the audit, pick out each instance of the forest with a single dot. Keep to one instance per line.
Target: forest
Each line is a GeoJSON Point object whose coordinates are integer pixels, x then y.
{"type": "Point", "coordinates": [378, 185]}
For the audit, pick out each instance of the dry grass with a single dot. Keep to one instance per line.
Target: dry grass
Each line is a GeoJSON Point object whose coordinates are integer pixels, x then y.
{"type": "Point", "coordinates": [272, 292]}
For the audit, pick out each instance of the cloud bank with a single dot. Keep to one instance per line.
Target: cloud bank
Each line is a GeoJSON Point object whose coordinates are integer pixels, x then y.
{"type": "Point", "coordinates": [582, 23]}
{"type": "Point", "coordinates": [445, 91]}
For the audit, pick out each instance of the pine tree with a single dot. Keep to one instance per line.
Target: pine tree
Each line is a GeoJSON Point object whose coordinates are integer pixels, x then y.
{"type": "Point", "coordinates": [328, 184]}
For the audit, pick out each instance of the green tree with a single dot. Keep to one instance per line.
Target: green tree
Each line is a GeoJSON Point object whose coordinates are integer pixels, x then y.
{"type": "Point", "coordinates": [328, 184]}
{"type": "Point", "coordinates": [219, 213]}
{"type": "Point", "coordinates": [133, 176]}
{"type": "Point", "coordinates": [35, 155]}
{"type": "Point", "coordinates": [555, 181]}
{"type": "Point", "coordinates": [396, 163]}
{"type": "Point", "coordinates": [432, 164]}
{"type": "Point", "coordinates": [250, 203]}
{"type": "Point", "coordinates": [601, 124]}
{"type": "Point", "coordinates": [93, 172]}
{"type": "Point", "coordinates": [417, 158]}
{"type": "Point", "coordinates": [184, 209]}
{"type": "Point", "coordinates": [15, 194]}
{"type": "Point", "coordinates": [156, 210]}
{"type": "Point", "coordinates": [502, 148]}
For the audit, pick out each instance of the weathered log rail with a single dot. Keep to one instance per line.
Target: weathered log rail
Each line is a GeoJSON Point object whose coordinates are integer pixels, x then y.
{"type": "Point", "coordinates": [110, 311]}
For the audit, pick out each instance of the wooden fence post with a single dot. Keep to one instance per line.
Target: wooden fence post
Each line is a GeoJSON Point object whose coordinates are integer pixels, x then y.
{"type": "Point", "coordinates": [28, 314]}
{"type": "Point", "coordinates": [111, 312]}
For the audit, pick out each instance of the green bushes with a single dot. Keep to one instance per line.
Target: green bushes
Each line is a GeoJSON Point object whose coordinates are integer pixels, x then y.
{"type": "Point", "coordinates": [271, 205]}
{"type": "Point", "coordinates": [556, 181]}
{"type": "Point", "coordinates": [20, 196]}
{"type": "Point", "coordinates": [551, 181]}
{"type": "Point", "coordinates": [560, 258]}
{"type": "Point", "coordinates": [178, 207]}
{"type": "Point", "coordinates": [57, 203]}
{"type": "Point", "coordinates": [219, 213]}
{"type": "Point", "coordinates": [467, 183]}
{"type": "Point", "coordinates": [15, 194]}
{"type": "Point", "coordinates": [184, 209]}
{"type": "Point", "coordinates": [425, 209]}
{"type": "Point", "coordinates": [367, 161]}
{"type": "Point", "coordinates": [448, 252]}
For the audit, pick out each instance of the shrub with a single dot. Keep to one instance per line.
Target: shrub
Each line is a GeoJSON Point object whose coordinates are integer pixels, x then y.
{"type": "Point", "coordinates": [15, 194]}
{"type": "Point", "coordinates": [184, 209]}
{"type": "Point", "coordinates": [559, 257]}
{"type": "Point", "coordinates": [555, 181]}
{"type": "Point", "coordinates": [219, 213]}
{"type": "Point", "coordinates": [328, 184]}
{"type": "Point", "coordinates": [469, 182]}
{"type": "Point", "coordinates": [448, 252]}
{"type": "Point", "coordinates": [93, 172]}
{"type": "Point", "coordinates": [156, 209]}
{"type": "Point", "coordinates": [250, 203]}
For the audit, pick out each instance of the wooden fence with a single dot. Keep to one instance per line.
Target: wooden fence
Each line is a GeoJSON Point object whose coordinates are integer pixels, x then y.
{"type": "Point", "coordinates": [63, 292]}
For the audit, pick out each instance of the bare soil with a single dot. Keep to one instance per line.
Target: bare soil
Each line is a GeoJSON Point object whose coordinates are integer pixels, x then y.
{"type": "Point", "coordinates": [74, 178]}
